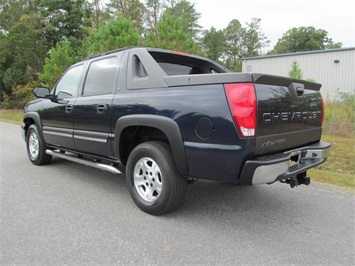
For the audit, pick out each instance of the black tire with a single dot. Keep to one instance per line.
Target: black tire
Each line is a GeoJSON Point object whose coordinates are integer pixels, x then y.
{"type": "Point", "coordinates": [36, 148]}
{"type": "Point", "coordinates": [156, 192]}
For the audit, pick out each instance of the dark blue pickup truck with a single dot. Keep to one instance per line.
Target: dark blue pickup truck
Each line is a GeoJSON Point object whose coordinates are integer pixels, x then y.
{"type": "Point", "coordinates": [167, 119]}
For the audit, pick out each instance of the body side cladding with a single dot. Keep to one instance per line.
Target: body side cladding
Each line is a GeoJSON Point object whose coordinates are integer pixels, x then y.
{"type": "Point", "coordinates": [143, 72]}
{"type": "Point", "coordinates": [36, 118]}
{"type": "Point", "coordinates": [207, 79]}
{"type": "Point", "coordinates": [166, 125]}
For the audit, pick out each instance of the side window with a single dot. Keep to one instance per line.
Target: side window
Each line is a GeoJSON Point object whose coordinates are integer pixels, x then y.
{"type": "Point", "coordinates": [101, 77]}
{"type": "Point", "coordinates": [68, 84]}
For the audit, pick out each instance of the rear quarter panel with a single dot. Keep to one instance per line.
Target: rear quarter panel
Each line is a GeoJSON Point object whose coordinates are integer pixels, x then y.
{"type": "Point", "coordinates": [218, 157]}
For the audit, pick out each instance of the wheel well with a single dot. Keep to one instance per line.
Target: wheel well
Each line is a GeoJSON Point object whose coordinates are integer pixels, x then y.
{"type": "Point", "coordinates": [28, 122]}
{"type": "Point", "coordinates": [135, 135]}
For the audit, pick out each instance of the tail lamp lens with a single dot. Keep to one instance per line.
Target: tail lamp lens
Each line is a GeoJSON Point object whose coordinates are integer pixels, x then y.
{"type": "Point", "coordinates": [242, 103]}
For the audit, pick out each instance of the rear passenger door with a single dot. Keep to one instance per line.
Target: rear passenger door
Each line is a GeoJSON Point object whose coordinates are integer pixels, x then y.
{"type": "Point", "coordinates": [92, 110]}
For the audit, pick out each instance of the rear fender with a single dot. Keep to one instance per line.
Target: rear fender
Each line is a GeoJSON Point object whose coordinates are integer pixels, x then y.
{"type": "Point", "coordinates": [168, 126]}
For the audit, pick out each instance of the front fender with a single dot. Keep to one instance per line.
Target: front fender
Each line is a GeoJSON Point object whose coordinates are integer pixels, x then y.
{"type": "Point", "coordinates": [27, 121]}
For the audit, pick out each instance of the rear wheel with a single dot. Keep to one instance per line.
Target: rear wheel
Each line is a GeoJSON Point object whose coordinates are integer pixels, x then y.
{"type": "Point", "coordinates": [36, 148]}
{"type": "Point", "coordinates": [153, 180]}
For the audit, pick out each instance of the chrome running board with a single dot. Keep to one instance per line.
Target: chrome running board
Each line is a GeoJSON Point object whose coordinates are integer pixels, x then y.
{"type": "Point", "coordinates": [75, 159]}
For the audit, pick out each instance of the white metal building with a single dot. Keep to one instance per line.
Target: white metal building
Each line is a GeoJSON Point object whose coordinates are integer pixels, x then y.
{"type": "Point", "coordinates": [334, 69]}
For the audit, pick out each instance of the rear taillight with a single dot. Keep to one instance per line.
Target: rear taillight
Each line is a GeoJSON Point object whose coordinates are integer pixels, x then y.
{"type": "Point", "coordinates": [242, 102]}
{"type": "Point", "coordinates": [322, 108]}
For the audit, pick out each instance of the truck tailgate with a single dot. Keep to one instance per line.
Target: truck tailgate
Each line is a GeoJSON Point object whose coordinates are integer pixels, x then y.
{"type": "Point", "coordinates": [289, 113]}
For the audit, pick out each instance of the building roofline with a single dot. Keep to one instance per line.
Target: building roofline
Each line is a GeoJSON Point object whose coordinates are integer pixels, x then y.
{"type": "Point", "coordinates": [299, 53]}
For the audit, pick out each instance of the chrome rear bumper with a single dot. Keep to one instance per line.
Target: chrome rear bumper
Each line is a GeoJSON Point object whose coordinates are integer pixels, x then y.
{"type": "Point", "coordinates": [268, 169]}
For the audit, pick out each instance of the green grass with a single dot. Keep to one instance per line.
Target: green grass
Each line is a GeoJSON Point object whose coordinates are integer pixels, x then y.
{"type": "Point", "coordinates": [338, 170]}
{"type": "Point", "coordinates": [333, 178]}
{"type": "Point", "coordinates": [11, 116]}
{"type": "Point", "coordinates": [339, 116]}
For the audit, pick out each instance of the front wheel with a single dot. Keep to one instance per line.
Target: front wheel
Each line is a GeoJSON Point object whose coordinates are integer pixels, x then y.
{"type": "Point", "coordinates": [153, 180]}
{"type": "Point", "coordinates": [36, 148]}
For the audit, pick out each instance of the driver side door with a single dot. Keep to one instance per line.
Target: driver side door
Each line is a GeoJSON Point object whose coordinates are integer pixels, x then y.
{"type": "Point", "coordinates": [57, 117]}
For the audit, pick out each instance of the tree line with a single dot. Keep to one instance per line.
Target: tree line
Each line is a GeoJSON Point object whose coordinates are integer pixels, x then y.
{"type": "Point", "coordinates": [39, 39]}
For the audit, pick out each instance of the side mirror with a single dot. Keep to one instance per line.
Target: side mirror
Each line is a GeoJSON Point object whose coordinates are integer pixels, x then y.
{"type": "Point", "coordinates": [42, 92]}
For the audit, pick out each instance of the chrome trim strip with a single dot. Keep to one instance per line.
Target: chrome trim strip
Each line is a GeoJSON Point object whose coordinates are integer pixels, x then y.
{"type": "Point", "coordinates": [91, 139]}
{"type": "Point", "coordinates": [57, 134]}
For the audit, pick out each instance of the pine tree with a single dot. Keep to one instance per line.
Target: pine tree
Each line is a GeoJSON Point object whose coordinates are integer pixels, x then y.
{"type": "Point", "coordinates": [295, 71]}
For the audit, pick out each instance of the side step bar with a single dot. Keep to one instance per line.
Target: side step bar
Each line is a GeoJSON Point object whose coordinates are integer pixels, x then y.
{"type": "Point", "coordinates": [100, 166]}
